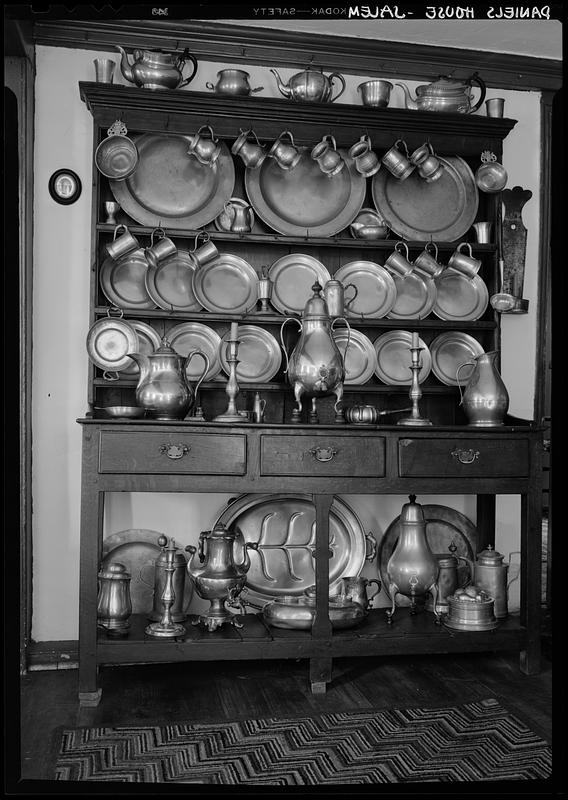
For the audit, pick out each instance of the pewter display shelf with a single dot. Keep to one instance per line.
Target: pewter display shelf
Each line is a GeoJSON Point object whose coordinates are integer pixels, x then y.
{"type": "Point", "coordinates": [125, 455]}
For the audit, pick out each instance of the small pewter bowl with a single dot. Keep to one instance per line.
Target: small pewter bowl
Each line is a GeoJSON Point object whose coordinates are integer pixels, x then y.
{"type": "Point", "coordinates": [491, 177]}
{"type": "Point", "coordinates": [116, 157]}
{"type": "Point", "coordinates": [130, 412]}
{"type": "Point", "coordinates": [368, 225]}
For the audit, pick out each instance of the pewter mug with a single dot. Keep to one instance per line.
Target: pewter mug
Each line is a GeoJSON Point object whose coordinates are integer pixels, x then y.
{"type": "Point", "coordinates": [206, 252]}
{"type": "Point", "coordinates": [428, 263]}
{"type": "Point", "coordinates": [163, 387]}
{"type": "Point", "coordinates": [467, 265]}
{"type": "Point", "coordinates": [397, 163]}
{"type": "Point", "coordinates": [398, 263]}
{"type": "Point", "coordinates": [366, 162]}
{"type": "Point", "coordinates": [355, 589]}
{"type": "Point", "coordinates": [485, 399]}
{"type": "Point", "coordinates": [482, 232]}
{"type": "Point", "coordinates": [285, 155]}
{"type": "Point", "coordinates": [375, 93]}
{"type": "Point", "coordinates": [159, 250]}
{"type": "Point", "coordinates": [124, 244]}
{"type": "Point", "coordinates": [329, 160]}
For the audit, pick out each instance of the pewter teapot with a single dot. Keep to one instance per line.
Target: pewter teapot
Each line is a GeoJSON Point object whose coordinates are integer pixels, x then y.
{"type": "Point", "coordinates": [217, 575]}
{"type": "Point", "coordinates": [163, 387]}
{"type": "Point", "coordinates": [446, 94]}
{"type": "Point", "coordinates": [315, 367]}
{"type": "Point", "coordinates": [310, 86]}
{"type": "Point", "coordinates": [155, 69]}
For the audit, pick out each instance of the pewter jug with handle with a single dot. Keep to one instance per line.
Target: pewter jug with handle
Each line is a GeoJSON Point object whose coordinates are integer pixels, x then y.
{"type": "Point", "coordinates": [485, 399]}
{"type": "Point", "coordinates": [163, 387]}
{"type": "Point", "coordinates": [310, 86]}
{"type": "Point", "coordinates": [315, 367]}
{"type": "Point", "coordinates": [446, 94]}
{"type": "Point", "coordinates": [155, 69]}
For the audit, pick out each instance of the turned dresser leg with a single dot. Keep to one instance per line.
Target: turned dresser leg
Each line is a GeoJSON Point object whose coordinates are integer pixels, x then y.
{"type": "Point", "coordinates": [320, 674]}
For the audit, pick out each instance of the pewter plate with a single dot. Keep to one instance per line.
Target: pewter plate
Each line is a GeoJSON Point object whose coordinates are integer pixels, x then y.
{"type": "Point", "coordinates": [284, 527]}
{"type": "Point", "coordinates": [188, 336]}
{"type": "Point", "coordinates": [448, 351]}
{"type": "Point", "coordinates": [109, 340]}
{"type": "Point", "coordinates": [394, 358]}
{"type": "Point", "coordinates": [170, 283]}
{"type": "Point", "coordinates": [124, 281]}
{"type": "Point", "coordinates": [376, 289]}
{"type": "Point", "coordinates": [444, 525]}
{"type": "Point", "coordinates": [415, 297]}
{"type": "Point", "coordinates": [360, 358]}
{"type": "Point", "coordinates": [304, 201]}
{"type": "Point", "coordinates": [292, 279]}
{"type": "Point", "coordinates": [148, 341]}
{"type": "Point", "coordinates": [228, 284]}
{"type": "Point", "coordinates": [171, 188]}
{"type": "Point", "coordinates": [443, 210]}
{"type": "Point", "coordinates": [138, 549]}
{"type": "Point", "coordinates": [460, 298]}
{"type": "Point", "coordinates": [259, 354]}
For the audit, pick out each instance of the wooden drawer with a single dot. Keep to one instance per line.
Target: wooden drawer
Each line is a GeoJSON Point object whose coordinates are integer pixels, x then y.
{"type": "Point", "coordinates": [340, 456]}
{"type": "Point", "coordinates": [172, 453]}
{"type": "Point", "coordinates": [471, 458]}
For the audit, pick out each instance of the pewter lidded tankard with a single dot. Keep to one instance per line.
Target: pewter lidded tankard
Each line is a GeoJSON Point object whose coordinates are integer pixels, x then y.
{"type": "Point", "coordinates": [315, 367]}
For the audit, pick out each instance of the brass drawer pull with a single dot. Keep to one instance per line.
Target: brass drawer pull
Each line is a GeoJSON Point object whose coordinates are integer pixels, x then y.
{"type": "Point", "coordinates": [323, 453]}
{"type": "Point", "coordinates": [174, 451]}
{"type": "Point", "coordinates": [465, 456]}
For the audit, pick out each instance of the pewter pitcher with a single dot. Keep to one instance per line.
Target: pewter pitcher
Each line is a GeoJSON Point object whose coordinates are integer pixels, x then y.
{"type": "Point", "coordinates": [315, 367]}
{"type": "Point", "coordinates": [163, 387]}
{"type": "Point", "coordinates": [215, 572]}
{"type": "Point", "coordinates": [485, 399]}
{"type": "Point", "coordinates": [155, 69]}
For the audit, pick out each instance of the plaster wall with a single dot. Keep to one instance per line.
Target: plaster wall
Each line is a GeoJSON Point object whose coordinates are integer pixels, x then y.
{"type": "Point", "coordinates": [63, 138]}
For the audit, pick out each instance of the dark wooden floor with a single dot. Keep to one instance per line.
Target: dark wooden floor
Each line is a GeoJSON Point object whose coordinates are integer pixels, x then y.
{"type": "Point", "coordinates": [209, 692]}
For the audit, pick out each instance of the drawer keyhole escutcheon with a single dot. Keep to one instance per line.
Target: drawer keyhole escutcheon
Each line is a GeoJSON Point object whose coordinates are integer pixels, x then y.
{"type": "Point", "coordinates": [174, 451]}
{"type": "Point", "coordinates": [465, 456]}
{"type": "Point", "coordinates": [323, 453]}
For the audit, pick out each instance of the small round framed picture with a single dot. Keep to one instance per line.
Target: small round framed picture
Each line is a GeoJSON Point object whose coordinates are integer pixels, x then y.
{"type": "Point", "coordinates": [65, 186]}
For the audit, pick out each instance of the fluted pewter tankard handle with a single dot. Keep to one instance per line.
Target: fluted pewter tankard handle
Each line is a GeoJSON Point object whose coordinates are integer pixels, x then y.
{"type": "Point", "coordinates": [465, 456]}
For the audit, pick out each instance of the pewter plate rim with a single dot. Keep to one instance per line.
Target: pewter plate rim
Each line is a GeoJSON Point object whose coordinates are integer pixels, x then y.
{"type": "Point", "coordinates": [444, 338]}
{"type": "Point", "coordinates": [277, 269]}
{"type": "Point", "coordinates": [248, 274]}
{"type": "Point", "coordinates": [403, 337]}
{"type": "Point", "coordinates": [272, 346]}
{"type": "Point", "coordinates": [209, 334]}
{"type": "Point", "coordinates": [378, 272]}
{"type": "Point", "coordinates": [340, 337]}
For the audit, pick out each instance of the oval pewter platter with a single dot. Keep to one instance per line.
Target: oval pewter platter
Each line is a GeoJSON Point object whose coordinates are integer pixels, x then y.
{"type": "Point", "coordinates": [284, 526]}
{"type": "Point", "coordinates": [171, 188]}
{"type": "Point", "coordinates": [443, 210]}
{"type": "Point", "coordinates": [304, 201]}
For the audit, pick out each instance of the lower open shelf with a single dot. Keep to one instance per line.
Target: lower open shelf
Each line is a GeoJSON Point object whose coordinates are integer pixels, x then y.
{"type": "Point", "coordinates": [256, 640]}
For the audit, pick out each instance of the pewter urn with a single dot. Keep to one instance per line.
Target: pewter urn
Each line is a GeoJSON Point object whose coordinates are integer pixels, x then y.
{"type": "Point", "coordinates": [412, 569]}
{"type": "Point", "coordinates": [316, 367]}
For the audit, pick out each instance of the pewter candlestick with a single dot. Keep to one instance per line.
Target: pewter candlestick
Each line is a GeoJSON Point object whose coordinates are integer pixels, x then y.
{"type": "Point", "coordinates": [232, 388]}
{"type": "Point", "coordinates": [415, 391]}
{"type": "Point", "coordinates": [166, 628]}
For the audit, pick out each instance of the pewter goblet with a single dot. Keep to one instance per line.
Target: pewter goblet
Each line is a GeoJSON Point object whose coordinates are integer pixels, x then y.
{"type": "Point", "coordinates": [111, 209]}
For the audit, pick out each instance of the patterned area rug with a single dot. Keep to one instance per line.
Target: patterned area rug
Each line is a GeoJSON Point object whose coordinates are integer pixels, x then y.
{"type": "Point", "coordinates": [479, 741]}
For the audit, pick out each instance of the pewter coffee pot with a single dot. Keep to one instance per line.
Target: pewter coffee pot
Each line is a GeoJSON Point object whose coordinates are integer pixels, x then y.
{"type": "Point", "coordinates": [155, 69]}
{"type": "Point", "coordinates": [315, 367]}
{"type": "Point", "coordinates": [163, 387]}
{"type": "Point", "coordinates": [310, 86]}
{"type": "Point", "coordinates": [446, 94]}
{"type": "Point", "coordinates": [412, 569]}
{"type": "Point", "coordinates": [217, 576]}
